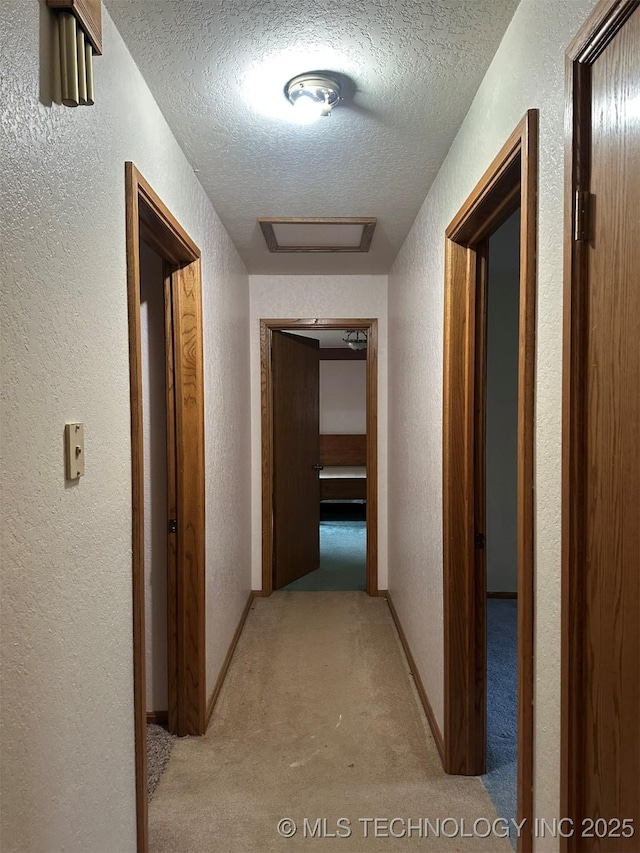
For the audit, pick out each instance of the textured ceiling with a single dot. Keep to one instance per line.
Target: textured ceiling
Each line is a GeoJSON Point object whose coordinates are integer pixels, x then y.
{"type": "Point", "coordinates": [218, 69]}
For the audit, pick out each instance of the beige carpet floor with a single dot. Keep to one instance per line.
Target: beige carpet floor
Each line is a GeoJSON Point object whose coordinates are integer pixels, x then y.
{"type": "Point", "coordinates": [318, 718]}
{"type": "Point", "coordinates": [159, 745]}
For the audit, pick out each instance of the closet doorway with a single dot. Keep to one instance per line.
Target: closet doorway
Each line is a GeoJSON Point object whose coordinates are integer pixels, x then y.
{"type": "Point", "coordinates": [509, 184]}
{"type": "Point", "coordinates": [304, 463]}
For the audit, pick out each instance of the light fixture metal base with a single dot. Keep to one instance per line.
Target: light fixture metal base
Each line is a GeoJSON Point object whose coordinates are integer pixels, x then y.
{"type": "Point", "coordinates": [321, 87]}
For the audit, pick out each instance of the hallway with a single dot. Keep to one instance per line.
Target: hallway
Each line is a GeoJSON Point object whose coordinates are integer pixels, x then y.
{"type": "Point", "coordinates": [317, 718]}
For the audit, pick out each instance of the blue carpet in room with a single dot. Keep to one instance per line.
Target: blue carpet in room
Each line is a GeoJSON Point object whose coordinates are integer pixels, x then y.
{"type": "Point", "coordinates": [502, 703]}
{"type": "Point", "coordinates": [343, 559]}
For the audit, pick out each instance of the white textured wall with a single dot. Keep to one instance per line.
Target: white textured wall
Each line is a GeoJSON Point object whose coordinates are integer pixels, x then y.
{"type": "Point", "coordinates": [154, 414]}
{"type": "Point", "coordinates": [527, 72]}
{"type": "Point", "coordinates": [343, 397]}
{"type": "Point", "coordinates": [503, 303]}
{"type": "Point", "coordinates": [67, 705]}
{"type": "Point", "coordinates": [331, 296]}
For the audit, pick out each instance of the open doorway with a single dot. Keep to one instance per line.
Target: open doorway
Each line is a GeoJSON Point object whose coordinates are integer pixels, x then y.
{"type": "Point", "coordinates": [166, 307]}
{"type": "Point", "coordinates": [477, 481]}
{"type": "Point", "coordinates": [309, 469]}
{"type": "Point", "coordinates": [502, 326]}
{"type": "Point", "coordinates": [159, 481]}
{"type": "Point", "coordinates": [342, 432]}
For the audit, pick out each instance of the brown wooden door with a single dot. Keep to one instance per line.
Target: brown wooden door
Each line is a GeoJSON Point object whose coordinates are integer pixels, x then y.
{"type": "Point", "coordinates": [605, 724]}
{"type": "Point", "coordinates": [296, 452]}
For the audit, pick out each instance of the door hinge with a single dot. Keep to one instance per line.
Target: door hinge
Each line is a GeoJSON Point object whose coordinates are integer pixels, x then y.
{"type": "Point", "coordinates": [173, 525]}
{"type": "Point", "coordinates": [479, 540]}
{"type": "Point", "coordinates": [581, 215]}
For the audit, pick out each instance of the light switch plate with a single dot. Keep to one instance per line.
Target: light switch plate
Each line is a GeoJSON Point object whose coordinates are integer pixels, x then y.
{"type": "Point", "coordinates": [74, 444]}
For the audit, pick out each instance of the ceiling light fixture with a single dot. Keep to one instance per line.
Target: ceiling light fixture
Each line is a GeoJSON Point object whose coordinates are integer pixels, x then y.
{"type": "Point", "coordinates": [356, 339]}
{"type": "Point", "coordinates": [313, 94]}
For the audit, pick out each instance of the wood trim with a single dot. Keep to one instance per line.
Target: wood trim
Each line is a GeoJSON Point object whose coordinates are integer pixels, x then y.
{"type": "Point", "coordinates": [458, 517]}
{"type": "Point", "coordinates": [189, 379]}
{"type": "Point", "coordinates": [342, 354]}
{"type": "Point", "coordinates": [372, 458]}
{"type": "Point", "coordinates": [368, 223]}
{"type": "Point", "coordinates": [510, 182]}
{"type": "Point", "coordinates": [477, 634]}
{"type": "Point", "coordinates": [598, 30]}
{"type": "Point", "coordinates": [526, 493]}
{"type": "Point", "coordinates": [367, 235]}
{"type": "Point", "coordinates": [148, 218]}
{"type": "Point", "coordinates": [343, 489]}
{"type": "Point", "coordinates": [157, 718]}
{"type": "Point", "coordinates": [266, 441]}
{"type": "Point", "coordinates": [161, 226]}
{"type": "Point", "coordinates": [266, 386]}
{"type": "Point", "coordinates": [604, 22]}
{"type": "Point", "coordinates": [577, 100]}
{"type": "Point", "coordinates": [502, 595]}
{"type": "Point", "coordinates": [343, 449]}
{"type": "Point", "coordinates": [415, 673]}
{"type": "Point", "coordinates": [89, 15]}
{"type": "Point", "coordinates": [215, 693]}
{"type": "Point", "coordinates": [496, 195]}
{"type": "Point", "coordinates": [172, 509]}
{"type": "Point", "coordinates": [137, 500]}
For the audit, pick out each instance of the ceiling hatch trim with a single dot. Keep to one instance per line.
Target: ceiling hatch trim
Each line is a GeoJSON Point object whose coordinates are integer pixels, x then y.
{"type": "Point", "coordinates": [310, 234]}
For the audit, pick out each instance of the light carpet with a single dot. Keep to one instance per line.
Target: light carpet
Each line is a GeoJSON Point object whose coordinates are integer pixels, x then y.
{"type": "Point", "coordinates": [317, 718]}
{"type": "Point", "coordinates": [159, 745]}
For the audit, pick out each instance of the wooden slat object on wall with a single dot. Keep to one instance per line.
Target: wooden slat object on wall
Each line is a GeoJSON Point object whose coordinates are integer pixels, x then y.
{"type": "Point", "coordinates": [89, 15]}
{"type": "Point", "coordinates": [340, 449]}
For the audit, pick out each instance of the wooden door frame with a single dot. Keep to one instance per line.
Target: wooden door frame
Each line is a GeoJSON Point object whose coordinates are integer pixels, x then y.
{"type": "Point", "coordinates": [147, 218]}
{"type": "Point", "coordinates": [509, 182]}
{"type": "Point", "coordinates": [267, 327]}
{"type": "Point", "coordinates": [602, 25]}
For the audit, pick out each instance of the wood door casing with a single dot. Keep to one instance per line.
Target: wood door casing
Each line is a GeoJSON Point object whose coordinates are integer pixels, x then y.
{"type": "Point", "coordinates": [479, 629]}
{"type": "Point", "coordinates": [601, 490]}
{"type": "Point", "coordinates": [296, 452]}
{"type": "Point", "coordinates": [173, 691]}
{"type": "Point", "coordinates": [509, 182]}
{"type": "Point", "coordinates": [147, 218]}
{"type": "Point", "coordinates": [267, 327]}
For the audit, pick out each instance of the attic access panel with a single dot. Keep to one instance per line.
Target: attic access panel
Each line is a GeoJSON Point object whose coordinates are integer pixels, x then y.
{"type": "Point", "coordinates": [330, 234]}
